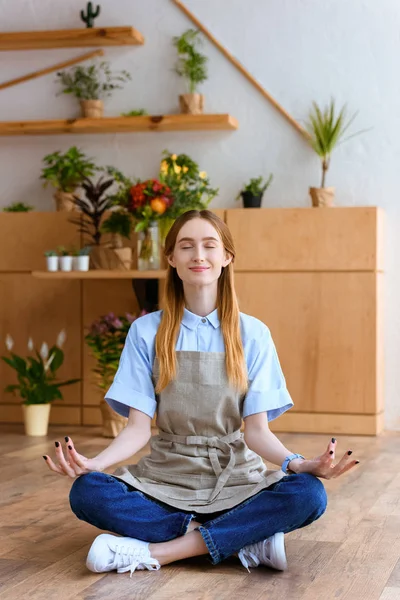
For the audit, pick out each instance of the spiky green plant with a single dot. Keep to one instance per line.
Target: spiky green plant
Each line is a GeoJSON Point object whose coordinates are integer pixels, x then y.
{"type": "Point", "coordinates": [90, 15]}
{"type": "Point", "coordinates": [326, 129]}
{"type": "Point", "coordinates": [93, 207]}
{"type": "Point", "coordinates": [18, 207]}
{"type": "Point", "coordinates": [191, 64]}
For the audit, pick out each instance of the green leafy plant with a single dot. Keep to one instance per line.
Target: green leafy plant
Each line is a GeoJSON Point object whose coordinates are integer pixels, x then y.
{"type": "Point", "coordinates": [119, 223]}
{"type": "Point", "coordinates": [140, 112]}
{"type": "Point", "coordinates": [191, 64]}
{"type": "Point", "coordinates": [18, 207]}
{"type": "Point", "coordinates": [105, 338]}
{"type": "Point", "coordinates": [62, 251]}
{"type": "Point", "coordinates": [256, 186]}
{"type": "Point", "coordinates": [93, 82]}
{"type": "Point", "coordinates": [326, 129]}
{"type": "Point", "coordinates": [36, 375]}
{"type": "Point", "coordinates": [85, 251]}
{"type": "Point", "coordinates": [51, 253]}
{"type": "Point", "coordinates": [90, 15]}
{"type": "Point", "coordinates": [93, 207]}
{"type": "Point", "coordinates": [65, 171]}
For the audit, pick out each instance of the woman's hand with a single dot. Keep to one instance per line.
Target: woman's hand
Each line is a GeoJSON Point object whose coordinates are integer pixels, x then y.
{"type": "Point", "coordinates": [322, 466]}
{"type": "Point", "coordinates": [74, 464]}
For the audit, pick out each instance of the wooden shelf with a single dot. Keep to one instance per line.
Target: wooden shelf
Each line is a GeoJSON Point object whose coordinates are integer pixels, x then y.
{"type": "Point", "coordinates": [177, 122]}
{"type": "Point", "coordinates": [100, 274]}
{"type": "Point", "coordinates": [71, 38]}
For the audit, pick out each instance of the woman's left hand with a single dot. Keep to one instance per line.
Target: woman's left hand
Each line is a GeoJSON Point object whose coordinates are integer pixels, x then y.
{"type": "Point", "coordinates": [323, 466]}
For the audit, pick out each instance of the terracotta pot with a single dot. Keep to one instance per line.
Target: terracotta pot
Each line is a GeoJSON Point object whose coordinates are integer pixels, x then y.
{"type": "Point", "coordinates": [191, 104]}
{"type": "Point", "coordinates": [322, 196]}
{"type": "Point", "coordinates": [102, 257]}
{"type": "Point", "coordinates": [113, 423]}
{"type": "Point", "coordinates": [36, 419]}
{"type": "Point", "coordinates": [64, 201]}
{"type": "Point", "coordinates": [92, 109]}
{"type": "Point", "coordinates": [116, 241]}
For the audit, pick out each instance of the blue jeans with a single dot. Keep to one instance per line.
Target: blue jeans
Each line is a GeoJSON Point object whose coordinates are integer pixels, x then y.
{"type": "Point", "coordinates": [113, 505]}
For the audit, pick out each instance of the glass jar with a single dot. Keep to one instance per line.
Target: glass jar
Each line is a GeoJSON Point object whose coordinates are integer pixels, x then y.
{"type": "Point", "coordinates": [149, 248]}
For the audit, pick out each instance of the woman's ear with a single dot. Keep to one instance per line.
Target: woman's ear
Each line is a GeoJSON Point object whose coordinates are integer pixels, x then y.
{"type": "Point", "coordinates": [228, 259]}
{"type": "Point", "coordinates": [171, 261]}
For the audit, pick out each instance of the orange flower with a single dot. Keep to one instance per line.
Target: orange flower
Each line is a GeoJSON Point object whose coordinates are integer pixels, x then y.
{"type": "Point", "coordinates": [158, 205]}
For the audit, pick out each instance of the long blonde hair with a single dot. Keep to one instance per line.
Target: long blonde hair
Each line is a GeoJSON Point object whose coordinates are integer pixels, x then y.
{"type": "Point", "coordinates": [174, 304]}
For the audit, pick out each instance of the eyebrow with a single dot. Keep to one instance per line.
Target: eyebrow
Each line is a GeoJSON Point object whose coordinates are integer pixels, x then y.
{"type": "Point", "coordinates": [189, 239]}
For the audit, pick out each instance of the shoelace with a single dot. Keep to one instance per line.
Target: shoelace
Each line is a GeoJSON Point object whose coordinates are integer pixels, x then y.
{"type": "Point", "coordinates": [249, 559]}
{"type": "Point", "coordinates": [129, 559]}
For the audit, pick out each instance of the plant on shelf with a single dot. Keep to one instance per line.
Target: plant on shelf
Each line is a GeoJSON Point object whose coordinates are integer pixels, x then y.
{"type": "Point", "coordinates": [119, 225]}
{"type": "Point", "coordinates": [105, 339]}
{"type": "Point", "coordinates": [65, 172]}
{"type": "Point", "coordinates": [140, 112]}
{"type": "Point", "coordinates": [18, 207]}
{"type": "Point", "coordinates": [94, 205]}
{"type": "Point", "coordinates": [90, 84]}
{"type": "Point", "coordinates": [190, 187]}
{"type": "Point", "coordinates": [90, 15]}
{"type": "Point", "coordinates": [37, 384]}
{"type": "Point", "coordinates": [326, 129]}
{"type": "Point", "coordinates": [191, 65]}
{"type": "Point", "coordinates": [52, 259]}
{"type": "Point", "coordinates": [253, 191]}
{"type": "Point", "coordinates": [81, 258]}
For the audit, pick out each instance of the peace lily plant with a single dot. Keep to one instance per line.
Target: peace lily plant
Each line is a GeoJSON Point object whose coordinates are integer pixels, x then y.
{"type": "Point", "coordinates": [37, 385]}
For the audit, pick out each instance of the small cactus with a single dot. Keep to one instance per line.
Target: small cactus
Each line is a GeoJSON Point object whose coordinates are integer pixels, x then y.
{"type": "Point", "coordinates": [90, 14]}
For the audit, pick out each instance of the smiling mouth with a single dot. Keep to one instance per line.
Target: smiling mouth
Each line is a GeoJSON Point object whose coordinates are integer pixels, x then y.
{"type": "Point", "coordinates": [199, 268]}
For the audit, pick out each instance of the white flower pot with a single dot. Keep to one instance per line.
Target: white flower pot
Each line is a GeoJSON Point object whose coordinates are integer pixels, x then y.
{"type": "Point", "coordinates": [36, 419]}
{"type": "Point", "coordinates": [52, 263]}
{"type": "Point", "coordinates": [65, 263]}
{"type": "Point", "coordinates": [81, 263]}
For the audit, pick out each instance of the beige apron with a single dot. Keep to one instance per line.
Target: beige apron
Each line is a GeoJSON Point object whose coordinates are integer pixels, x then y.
{"type": "Point", "coordinates": [199, 462]}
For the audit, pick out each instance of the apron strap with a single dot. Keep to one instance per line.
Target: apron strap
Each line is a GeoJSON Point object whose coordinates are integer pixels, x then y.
{"type": "Point", "coordinates": [212, 444]}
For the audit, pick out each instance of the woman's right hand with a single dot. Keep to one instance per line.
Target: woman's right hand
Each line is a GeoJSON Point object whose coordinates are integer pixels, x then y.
{"type": "Point", "coordinates": [74, 464]}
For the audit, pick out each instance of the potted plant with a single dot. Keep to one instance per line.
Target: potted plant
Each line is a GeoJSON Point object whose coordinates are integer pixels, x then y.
{"type": "Point", "coordinates": [81, 259]}
{"type": "Point", "coordinates": [190, 188]}
{"type": "Point", "coordinates": [326, 129]}
{"type": "Point", "coordinates": [119, 225]}
{"type": "Point", "coordinates": [18, 207]}
{"type": "Point", "coordinates": [66, 171]}
{"type": "Point", "coordinates": [253, 192]}
{"type": "Point", "coordinates": [191, 65]}
{"type": "Point", "coordinates": [94, 206]}
{"type": "Point", "coordinates": [37, 385]}
{"type": "Point", "coordinates": [105, 339]}
{"type": "Point", "coordinates": [51, 260]}
{"type": "Point", "coordinates": [65, 259]}
{"type": "Point", "coordinates": [90, 84]}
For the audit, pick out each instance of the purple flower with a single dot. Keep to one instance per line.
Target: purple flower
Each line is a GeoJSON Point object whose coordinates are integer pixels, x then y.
{"type": "Point", "coordinates": [130, 317]}
{"type": "Point", "coordinates": [117, 323]}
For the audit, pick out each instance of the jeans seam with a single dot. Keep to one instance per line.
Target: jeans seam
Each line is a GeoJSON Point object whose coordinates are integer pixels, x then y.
{"type": "Point", "coordinates": [211, 545]}
{"type": "Point", "coordinates": [186, 522]}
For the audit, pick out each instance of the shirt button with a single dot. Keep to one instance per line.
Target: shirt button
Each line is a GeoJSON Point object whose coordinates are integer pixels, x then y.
{"type": "Point", "coordinates": [203, 320]}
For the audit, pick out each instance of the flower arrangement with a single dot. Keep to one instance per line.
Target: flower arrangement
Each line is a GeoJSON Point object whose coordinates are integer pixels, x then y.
{"type": "Point", "coordinates": [106, 339]}
{"type": "Point", "coordinates": [37, 376]}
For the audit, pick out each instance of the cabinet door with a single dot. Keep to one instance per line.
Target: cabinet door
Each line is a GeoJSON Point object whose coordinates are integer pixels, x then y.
{"type": "Point", "coordinates": [327, 333]}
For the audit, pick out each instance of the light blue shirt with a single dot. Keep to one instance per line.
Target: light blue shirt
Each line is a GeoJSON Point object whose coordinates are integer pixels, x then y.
{"type": "Point", "coordinates": [133, 386]}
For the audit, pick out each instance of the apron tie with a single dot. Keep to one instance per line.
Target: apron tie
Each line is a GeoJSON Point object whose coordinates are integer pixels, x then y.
{"type": "Point", "coordinates": [212, 444]}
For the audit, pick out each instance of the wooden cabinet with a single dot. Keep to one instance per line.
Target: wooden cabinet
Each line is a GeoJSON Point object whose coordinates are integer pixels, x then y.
{"type": "Point", "coordinates": [314, 276]}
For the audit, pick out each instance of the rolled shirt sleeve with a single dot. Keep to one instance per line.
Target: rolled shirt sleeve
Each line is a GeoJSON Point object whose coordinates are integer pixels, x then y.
{"type": "Point", "coordinates": [133, 386]}
{"type": "Point", "coordinates": [267, 386]}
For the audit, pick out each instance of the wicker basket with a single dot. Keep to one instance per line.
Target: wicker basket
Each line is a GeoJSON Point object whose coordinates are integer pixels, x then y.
{"type": "Point", "coordinates": [113, 423]}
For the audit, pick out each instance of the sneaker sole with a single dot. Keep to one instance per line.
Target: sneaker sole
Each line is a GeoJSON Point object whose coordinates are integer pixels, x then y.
{"type": "Point", "coordinates": [278, 549]}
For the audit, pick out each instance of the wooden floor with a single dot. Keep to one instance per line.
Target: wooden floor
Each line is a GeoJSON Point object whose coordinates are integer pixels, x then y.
{"type": "Point", "coordinates": [352, 552]}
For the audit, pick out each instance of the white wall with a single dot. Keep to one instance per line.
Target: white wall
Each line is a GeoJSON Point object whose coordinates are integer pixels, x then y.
{"type": "Point", "coordinates": [300, 50]}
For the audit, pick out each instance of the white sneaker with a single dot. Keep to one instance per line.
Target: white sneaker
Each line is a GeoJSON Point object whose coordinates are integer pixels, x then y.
{"type": "Point", "coordinates": [269, 552]}
{"type": "Point", "coordinates": [110, 552]}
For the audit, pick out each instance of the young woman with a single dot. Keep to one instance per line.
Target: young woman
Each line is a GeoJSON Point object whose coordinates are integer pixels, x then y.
{"type": "Point", "coordinates": [204, 367]}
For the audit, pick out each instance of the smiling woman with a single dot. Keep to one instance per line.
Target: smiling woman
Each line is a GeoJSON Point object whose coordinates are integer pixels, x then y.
{"type": "Point", "coordinates": [204, 367]}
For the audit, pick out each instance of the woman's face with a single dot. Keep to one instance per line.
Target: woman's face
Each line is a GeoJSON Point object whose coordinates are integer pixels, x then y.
{"type": "Point", "coordinates": [199, 254]}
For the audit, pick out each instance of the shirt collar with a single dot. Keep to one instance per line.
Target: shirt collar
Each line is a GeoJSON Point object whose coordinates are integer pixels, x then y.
{"type": "Point", "coordinates": [191, 321]}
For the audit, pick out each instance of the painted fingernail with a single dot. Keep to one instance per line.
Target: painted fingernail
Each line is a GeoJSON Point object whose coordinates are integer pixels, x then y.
{"type": "Point", "coordinates": [57, 444]}
{"type": "Point", "coordinates": [357, 462]}
{"type": "Point", "coordinates": [66, 438]}
{"type": "Point", "coordinates": [69, 447]}
{"type": "Point", "coordinates": [350, 452]}
{"type": "Point", "coordinates": [45, 457]}
{"type": "Point", "coordinates": [333, 440]}
{"type": "Point", "coordinates": [331, 452]}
